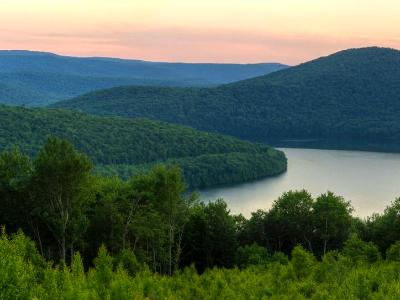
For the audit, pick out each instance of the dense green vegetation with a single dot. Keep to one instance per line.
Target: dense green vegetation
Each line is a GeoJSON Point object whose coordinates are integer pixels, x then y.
{"type": "Point", "coordinates": [121, 146]}
{"type": "Point", "coordinates": [38, 78]}
{"type": "Point", "coordinates": [40, 89]}
{"type": "Point", "coordinates": [89, 237]}
{"type": "Point", "coordinates": [353, 93]}
{"type": "Point", "coordinates": [214, 169]}
{"type": "Point", "coordinates": [25, 275]}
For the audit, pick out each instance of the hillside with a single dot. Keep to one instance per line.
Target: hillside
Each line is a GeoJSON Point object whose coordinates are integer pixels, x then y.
{"type": "Point", "coordinates": [353, 93]}
{"type": "Point", "coordinates": [38, 78]}
{"type": "Point", "coordinates": [121, 146]}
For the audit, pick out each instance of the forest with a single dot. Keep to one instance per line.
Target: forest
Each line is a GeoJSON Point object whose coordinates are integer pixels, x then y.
{"type": "Point", "coordinates": [346, 95]}
{"type": "Point", "coordinates": [120, 146]}
{"type": "Point", "coordinates": [39, 78]}
{"type": "Point", "coordinates": [69, 233]}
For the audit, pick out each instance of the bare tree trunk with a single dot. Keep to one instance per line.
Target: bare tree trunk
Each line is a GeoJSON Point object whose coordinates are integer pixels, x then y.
{"type": "Point", "coordinates": [154, 261]}
{"type": "Point", "coordinates": [170, 249]}
{"type": "Point", "coordinates": [326, 234]}
{"type": "Point", "coordinates": [178, 249]}
{"type": "Point", "coordinates": [71, 251]}
{"type": "Point", "coordinates": [309, 244]}
{"type": "Point", "coordinates": [63, 250]}
{"type": "Point", "coordinates": [64, 235]}
{"type": "Point", "coordinates": [112, 235]}
{"type": "Point", "coordinates": [36, 232]}
{"type": "Point", "coordinates": [128, 222]}
{"type": "Point", "coordinates": [135, 243]}
{"type": "Point", "coordinates": [125, 232]}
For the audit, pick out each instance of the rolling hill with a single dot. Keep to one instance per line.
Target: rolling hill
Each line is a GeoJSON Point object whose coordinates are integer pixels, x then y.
{"type": "Point", "coordinates": [351, 94]}
{"type": "Point", "coordinates": [39, 78]}
{"type": "Point", "coordinates": [122, 146]}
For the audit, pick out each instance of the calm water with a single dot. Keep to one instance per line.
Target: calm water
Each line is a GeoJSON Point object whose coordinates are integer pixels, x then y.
{"type": "Point", "coordinates": [370, 180]}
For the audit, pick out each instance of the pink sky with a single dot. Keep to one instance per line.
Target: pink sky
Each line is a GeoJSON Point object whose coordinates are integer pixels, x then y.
{"type": "Point", "coordinates": [242, 31]}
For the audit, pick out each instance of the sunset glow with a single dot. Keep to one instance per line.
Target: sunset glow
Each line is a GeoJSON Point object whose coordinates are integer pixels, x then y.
{"type": "Point", "coordinates": [287, 31]}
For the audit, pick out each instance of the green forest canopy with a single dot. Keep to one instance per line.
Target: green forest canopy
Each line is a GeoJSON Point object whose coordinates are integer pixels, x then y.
{"type": "Point", "coordinates": [145, 238]}
{"type": "Point", "coordinates": [39, 78]}
{"type": "Point", "coordinates": [123, 146]}
{"type": "Point", "coordinates": [353, 93]}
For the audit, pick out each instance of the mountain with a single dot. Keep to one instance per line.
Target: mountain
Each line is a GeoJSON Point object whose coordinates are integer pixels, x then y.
{"type": "Point", "coordinates": [123, 146]}
{"type": "Point", "coordinates": [351, 94]}
{"type": "Point", "coordinates": [40, 78]}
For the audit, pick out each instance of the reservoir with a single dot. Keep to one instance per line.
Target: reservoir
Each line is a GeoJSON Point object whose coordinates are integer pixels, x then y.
{"type": "Point", "coordinates": [370, 180]}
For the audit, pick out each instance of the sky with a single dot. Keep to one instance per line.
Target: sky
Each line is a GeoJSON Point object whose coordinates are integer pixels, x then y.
{"type": "Point", "coordinates": [226, 31]}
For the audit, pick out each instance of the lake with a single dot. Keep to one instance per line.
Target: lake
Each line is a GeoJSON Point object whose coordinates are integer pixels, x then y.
{"type": "Point", "coordinates": [370, 180]}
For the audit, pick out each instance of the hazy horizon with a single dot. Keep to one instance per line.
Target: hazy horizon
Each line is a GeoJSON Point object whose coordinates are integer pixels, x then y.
{"type": "Point", "coordinates": [183, 62]}
{"type": "Point", "coordinates": [136, 58]}
{"type": "Point", "coordinates": [235, 31]}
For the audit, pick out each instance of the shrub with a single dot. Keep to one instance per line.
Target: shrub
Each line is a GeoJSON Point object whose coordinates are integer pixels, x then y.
{"type": "Point", "coordinates": [302, 262]}
{"type": "Point", "coordinates": [361, 252]}
{"type": "Point", "coordinates": [393, 253]}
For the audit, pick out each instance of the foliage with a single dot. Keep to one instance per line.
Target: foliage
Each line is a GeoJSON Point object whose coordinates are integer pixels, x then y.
{"type": "Point", "coordinates": [332, 220]}
{"type": "Point", "coordinates": [345, 95]}
{"type": "Point", "coordinates": [361, 252]}
{"type": "Point", "coordinates": [124, 147]}
{"type": "Point", "coordinates": [249, 255]}
{"type": "Point", "coordinates": [302, 278]}
{"type": "Point", "coordinates": [58, 201]}
{"type": "Point", "coordinates": [210, 238]}
{"type": "Point", "coordinates": [289, 221]}
{"type": "Point", "coordinates": [147, 238]}
{"type": "Point", "coordinates": [60, 188]}
{"type": "Point", "coordinates": [213, 169]}
{"type": "Point", "coordinates": [393, 253]}
{"type": "Point", "coordinates": [384, 229]}
{"type": "Point", "coordinates": [302, 262]}
{"type": "Point", "coordinates": [320, 225]}
{"type": "Point", "coordinates": [39, 78]}
{"type": "Point", "coordinates": [15, 173]}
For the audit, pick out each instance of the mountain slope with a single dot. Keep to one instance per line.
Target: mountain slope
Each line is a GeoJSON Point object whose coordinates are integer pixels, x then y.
{"type": "Point", "coordinates": [353, 93]}
{"type": "Point", "coordinates": [121, 146]}
{"type": "Point", "coordinates": [47, 77]}
{"type": "Point", "coordinates": [15, 95]}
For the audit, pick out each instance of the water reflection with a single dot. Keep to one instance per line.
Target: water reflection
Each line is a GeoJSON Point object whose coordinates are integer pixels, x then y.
{"type": "Point", "coordinates": [370, 180]}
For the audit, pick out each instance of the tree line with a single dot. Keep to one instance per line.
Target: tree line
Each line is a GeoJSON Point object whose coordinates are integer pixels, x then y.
{"type": "Point", "coordinates": [150, 225]}
{"type": "Point", "coordinates": [122, 146]}
{"type": "Point", "coordinates": [350, 94]}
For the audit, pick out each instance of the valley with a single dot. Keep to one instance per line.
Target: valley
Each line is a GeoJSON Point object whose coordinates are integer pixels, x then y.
{"type": "Point", "coordinates": [188, 185]}
{"type": "Point", "coordinates": [34, 78]}
{"type": "Point", "coordinates": [352, 94]}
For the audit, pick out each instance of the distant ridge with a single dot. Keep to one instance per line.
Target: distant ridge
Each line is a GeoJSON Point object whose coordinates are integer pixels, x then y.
{"type": "Point", "coordinates": [354, 93]}
{"type": "Point", "coordinates": [25, 53]}
{"type": "Point", "coordinates": [40, 78]}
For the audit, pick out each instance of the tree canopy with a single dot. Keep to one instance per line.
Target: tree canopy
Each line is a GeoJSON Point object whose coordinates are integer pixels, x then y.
{"type": "Point", "coordinates": [92, 237]}
{"type": "Point", "coordinates": [350, 94]}
{"type": "Point", "coordinates": [123, 147]}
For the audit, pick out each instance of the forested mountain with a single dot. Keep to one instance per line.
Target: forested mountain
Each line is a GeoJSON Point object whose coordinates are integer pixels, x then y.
{"type": "Point", "coordinates": [38, 78]}
{"type": "Point", "coordinates": [122, 146]}
{"type": "Point", "coordinates": [353, 93]}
